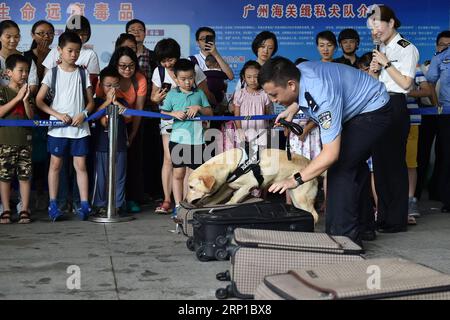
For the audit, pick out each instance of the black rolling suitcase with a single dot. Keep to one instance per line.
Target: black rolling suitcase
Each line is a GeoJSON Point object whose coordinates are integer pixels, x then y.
{"type": "Point", "coordinates": [187, 210]}
{"type": "Point", "coordinates": [212, 232]}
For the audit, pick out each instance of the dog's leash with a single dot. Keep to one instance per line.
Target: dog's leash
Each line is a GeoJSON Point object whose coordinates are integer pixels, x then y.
{"type": "Point", "coordinates": [296, 129]}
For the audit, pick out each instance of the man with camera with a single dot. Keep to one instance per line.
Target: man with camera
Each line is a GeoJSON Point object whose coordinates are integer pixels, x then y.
{"type": "Point", "coordinates": [206, 41]}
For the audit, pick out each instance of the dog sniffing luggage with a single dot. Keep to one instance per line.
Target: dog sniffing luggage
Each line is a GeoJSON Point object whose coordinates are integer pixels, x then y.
{"type": "Point", "coordinates": [213, 231]}
{"type": "Point", "coordinates": [258, 253]}
{"type": "Point", "coordinates": [391, 278]}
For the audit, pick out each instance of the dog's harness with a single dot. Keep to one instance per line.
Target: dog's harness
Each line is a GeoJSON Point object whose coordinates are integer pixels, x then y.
{"type": "Point", "coordinates": [246, 165]}
{"type": "Point", "coordinates": [296, 129]}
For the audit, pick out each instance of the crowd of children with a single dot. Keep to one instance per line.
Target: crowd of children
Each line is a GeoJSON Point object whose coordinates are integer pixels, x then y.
{"type": "Point", "coordinates": [61, 83]}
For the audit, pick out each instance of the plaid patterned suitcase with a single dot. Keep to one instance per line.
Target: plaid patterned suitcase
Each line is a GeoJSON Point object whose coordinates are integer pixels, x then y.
{"type": "Point", "coordinates": [393, 279]}
{"type": "Point", "coordinates": [258, 253]}
{"type": "Point", "coordinates": [187, 210]}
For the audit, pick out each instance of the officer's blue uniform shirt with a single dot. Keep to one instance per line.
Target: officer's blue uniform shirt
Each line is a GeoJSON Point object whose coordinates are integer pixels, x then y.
{"type": "Point", "coordinates": [331, 94]}
{"type": "Point", "coordinates": [440, 69]}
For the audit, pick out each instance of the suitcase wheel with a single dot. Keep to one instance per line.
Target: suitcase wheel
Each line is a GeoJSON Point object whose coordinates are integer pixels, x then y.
{"type": "Point", "coordinates": [223, 276]}
{"type": "Point", "coordinates": [221, 254]}
{"type": "Point", "coordinates": [190, 244]}
{"type": "Point", "coordinates": [221, 293]}
{"type": "Point", "coordinates": [221, 241]}
{"type": "Point", "coordinates": [201, 254]}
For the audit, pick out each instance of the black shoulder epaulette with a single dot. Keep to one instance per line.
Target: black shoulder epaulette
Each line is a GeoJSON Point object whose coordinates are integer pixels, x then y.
{"type": "Point", "coordinates": [311, 103]}
{"type": "Point", "coordinates": [404, 43]}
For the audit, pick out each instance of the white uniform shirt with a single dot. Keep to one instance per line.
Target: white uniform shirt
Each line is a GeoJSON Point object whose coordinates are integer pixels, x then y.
{"type": "Point", "coordinates": [68, 99]}
{"type": "Point", "coordinates": [32, 76]}
{"type": "Point", "coordinates": [404, 57]}
{"type": "Point", "coordinates": [201, 61]}
{"type": "Point", "coordinates": [88, 59]}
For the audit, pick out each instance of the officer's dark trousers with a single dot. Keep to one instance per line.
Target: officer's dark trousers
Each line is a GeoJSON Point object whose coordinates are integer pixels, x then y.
{"type": "Point", "coordinates": [348, 196]}
{"type": "Point", "coordinates": [390, 170]}
{"type": "Point", "coordinates": [428, 131]}
{"type": "Point", "coordinates": [434, 126]}
{"type": "Point", "coordinates": [443, 143]}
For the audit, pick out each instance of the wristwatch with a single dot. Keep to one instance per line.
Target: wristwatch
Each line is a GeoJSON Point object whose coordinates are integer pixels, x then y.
{"type": "Point", "coordinates": [389, 64]}
{"type": "Point", "coordinates": [85, 112]}
{"type": "Point", "coordinates": [298, 178]}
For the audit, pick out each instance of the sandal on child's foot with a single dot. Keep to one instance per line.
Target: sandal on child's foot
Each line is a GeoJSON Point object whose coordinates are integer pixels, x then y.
{"type": "Point", "coordinates": [24, 217]}
{"type": "Point", "coordinates": [5, 217]}
{"type": "Point", "coordinates": [164, 208]}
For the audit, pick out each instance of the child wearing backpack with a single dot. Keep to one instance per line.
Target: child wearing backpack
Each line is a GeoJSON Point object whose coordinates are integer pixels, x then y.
{"type": "Point", "coordinates": [68, 197]}
{"type": "Point", "coordinates": [72, 102]}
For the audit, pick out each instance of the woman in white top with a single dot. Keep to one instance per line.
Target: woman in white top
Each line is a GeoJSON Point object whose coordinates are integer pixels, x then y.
{"type": "Point", "coordinates": [9, 40]}
{"type": "Point", "coordinates": [88, 58]}
{"type": "Point", "coordinates": [394, 65]}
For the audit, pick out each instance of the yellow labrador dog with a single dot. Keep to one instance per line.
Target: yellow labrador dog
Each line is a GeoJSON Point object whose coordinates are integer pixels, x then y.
{"type": "Point", "coordinates": [208, 183]}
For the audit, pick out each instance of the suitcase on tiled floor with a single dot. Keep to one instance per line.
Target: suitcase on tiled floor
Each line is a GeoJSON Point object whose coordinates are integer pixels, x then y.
{"type": "Point", "coordinates": [390, 278]}
{"type": "Point", "coordinates": [186, 211]}
{"type": "Point", "coordinates": [212, 232]}
{"type": "Point", "coordinates": [257, 253]}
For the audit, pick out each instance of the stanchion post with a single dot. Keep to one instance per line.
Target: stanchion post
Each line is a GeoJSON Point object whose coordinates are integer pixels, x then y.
{"type": "Point", "coordinates": [112, 142]}
{"type": "Point", "coordinates": [111, 213]}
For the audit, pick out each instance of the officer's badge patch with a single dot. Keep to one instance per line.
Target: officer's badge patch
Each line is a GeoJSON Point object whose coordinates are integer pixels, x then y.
{"type": "Point", "coordinates": [325, 120]}
{"type": "Point", "coordinates": [404, 43]}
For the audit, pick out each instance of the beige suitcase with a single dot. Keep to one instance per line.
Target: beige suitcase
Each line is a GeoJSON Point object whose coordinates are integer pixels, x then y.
{"type": "Point", "coordinates": [258, 253]}
{"type": "Point", "coordinates": [389, 278]}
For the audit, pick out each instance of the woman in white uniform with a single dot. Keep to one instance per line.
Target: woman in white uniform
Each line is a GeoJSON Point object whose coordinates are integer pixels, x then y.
{"type": "Point", "coordinates": [394, 65]}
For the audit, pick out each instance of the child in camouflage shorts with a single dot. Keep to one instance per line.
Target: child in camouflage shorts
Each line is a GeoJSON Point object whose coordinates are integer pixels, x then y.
{"type": "Point", "coordinates": [15, 142]}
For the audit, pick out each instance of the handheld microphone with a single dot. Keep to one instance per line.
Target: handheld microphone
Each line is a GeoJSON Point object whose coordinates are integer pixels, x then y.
{"type": "Point", "coordinates": [376, 44]}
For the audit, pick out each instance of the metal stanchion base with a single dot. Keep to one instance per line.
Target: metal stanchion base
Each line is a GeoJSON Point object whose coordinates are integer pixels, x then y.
{"type": "Point", "coordinates": [103, 218]}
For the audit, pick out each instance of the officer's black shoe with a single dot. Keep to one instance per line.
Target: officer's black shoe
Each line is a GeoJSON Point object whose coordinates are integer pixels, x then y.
{"type": "Point", "coordinates": [445, 209]}
{"type": "Point", "coordinates": [393, 229]}
{"type": "Point", "coordinates": [368, 235]}
{"type": "Point", "coordinates": [360, 243]}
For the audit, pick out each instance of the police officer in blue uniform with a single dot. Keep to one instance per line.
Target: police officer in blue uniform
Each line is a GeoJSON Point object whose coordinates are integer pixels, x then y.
{"type": "Point", "coordinates": [440, 70]}
{"type": "Point", "coordinates": [353, 111]}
